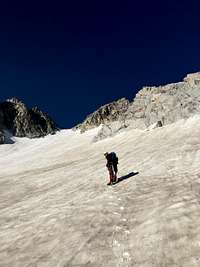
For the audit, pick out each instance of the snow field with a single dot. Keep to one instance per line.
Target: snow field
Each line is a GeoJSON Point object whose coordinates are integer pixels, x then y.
{"type": "Point", "coordinates": [56, 209]}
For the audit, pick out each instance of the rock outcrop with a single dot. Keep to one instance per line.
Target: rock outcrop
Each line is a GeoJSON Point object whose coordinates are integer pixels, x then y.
{"type": "Point", "coordinates": [24, 122]}
{"type": "Point", "coordinates": [151, 106]}
{"type": "Point", "coordinates": [105, 115]}
{"type": "Point", "coordinates": [166, 104]}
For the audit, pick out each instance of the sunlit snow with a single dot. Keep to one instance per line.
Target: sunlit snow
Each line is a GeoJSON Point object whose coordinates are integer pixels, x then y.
{"type": "Point", "coordinates": [57, 210]}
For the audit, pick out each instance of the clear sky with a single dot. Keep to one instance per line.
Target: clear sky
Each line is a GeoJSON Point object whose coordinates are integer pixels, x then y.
{"type": "Point", "coordinates": [70, 57]}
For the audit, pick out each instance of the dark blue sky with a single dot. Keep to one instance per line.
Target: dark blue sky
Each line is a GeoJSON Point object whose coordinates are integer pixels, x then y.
{"type": "Point", "coordinates": [71, 57]}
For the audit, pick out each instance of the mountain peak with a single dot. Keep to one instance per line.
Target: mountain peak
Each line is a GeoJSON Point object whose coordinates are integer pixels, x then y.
{"type": "Point", "coordinates": [21, 121]}
{"type": "Point", "coordinates": [14, 100]}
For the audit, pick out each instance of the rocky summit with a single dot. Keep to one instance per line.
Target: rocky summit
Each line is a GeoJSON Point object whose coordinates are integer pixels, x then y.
{"type": "Point", "coordinates": [23, 122]}
{"type": "Point", "coordinates": [157, 105]}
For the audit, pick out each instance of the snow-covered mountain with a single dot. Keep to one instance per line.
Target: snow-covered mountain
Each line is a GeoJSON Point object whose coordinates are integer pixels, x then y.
{"type": "Point", "coordinates": [57, 210]}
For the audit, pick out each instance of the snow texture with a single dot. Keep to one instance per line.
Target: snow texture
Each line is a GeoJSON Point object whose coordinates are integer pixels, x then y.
{"type": "Point", "coordinates": [56, 209]}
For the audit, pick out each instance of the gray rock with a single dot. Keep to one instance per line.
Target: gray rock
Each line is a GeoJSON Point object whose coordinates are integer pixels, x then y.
{"type": "Point", "coordinates": [166, 104]}
{"type": "Point", "coordinates": [109, 130]}
{"type": "Point", "coordinates": [159, 124]}
{"type": "Point", "coordinates": [24, 122]}
{"type": "Point", "coordinates": [105, 114]}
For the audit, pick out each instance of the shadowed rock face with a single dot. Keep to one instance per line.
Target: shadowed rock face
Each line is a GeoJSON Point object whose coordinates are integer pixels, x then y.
{"type": "Point", "coordinates": [2, 138]}
{"type": "Point", "coordinates": [24, 122]}
{"type": "Point", "coordinates": [152, 105]}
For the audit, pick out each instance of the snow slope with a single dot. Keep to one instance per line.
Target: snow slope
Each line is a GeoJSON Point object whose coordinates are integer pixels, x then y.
{"type": "Point", "coordinates": [56, 209]}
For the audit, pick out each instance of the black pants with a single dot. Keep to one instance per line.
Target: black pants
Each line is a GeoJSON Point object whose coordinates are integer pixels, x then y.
{"type": "Point", "coordinates": [114, 167]}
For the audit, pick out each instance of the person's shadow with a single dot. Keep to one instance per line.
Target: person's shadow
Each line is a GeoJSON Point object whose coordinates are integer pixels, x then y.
{"type": "Point", "coordinates": [120, 179]}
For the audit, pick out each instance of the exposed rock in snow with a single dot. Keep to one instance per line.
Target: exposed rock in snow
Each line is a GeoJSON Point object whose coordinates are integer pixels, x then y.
{"type": "Point", "coordinates": [109, 129]}
{"type": "Point", "coordinates": [155, 125]}
{"type": "Point", "coordinates": [24, 122]}
{"type": "Point", "coordinates": [159, 124]}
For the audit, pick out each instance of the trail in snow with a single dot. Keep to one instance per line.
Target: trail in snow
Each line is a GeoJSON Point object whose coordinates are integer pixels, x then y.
{"type": "Point", "coordinates": [56, 209]}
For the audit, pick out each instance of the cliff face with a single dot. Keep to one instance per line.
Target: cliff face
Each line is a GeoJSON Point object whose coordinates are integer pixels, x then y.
{"type": "Point", "coordinates": [24, 122]}
{"type": "Point", "coordinates": [152, 105]}
{"type": "Point", "coordinates": [166, 104]}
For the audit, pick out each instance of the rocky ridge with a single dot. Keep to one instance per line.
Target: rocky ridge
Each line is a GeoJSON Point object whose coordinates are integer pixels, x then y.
{"type": "Point", "coordinates": [23, 122]}
{"type": "Point", "coordinates": [111, 112]}
{"type": "Point", "coordinates": [156, 105]}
